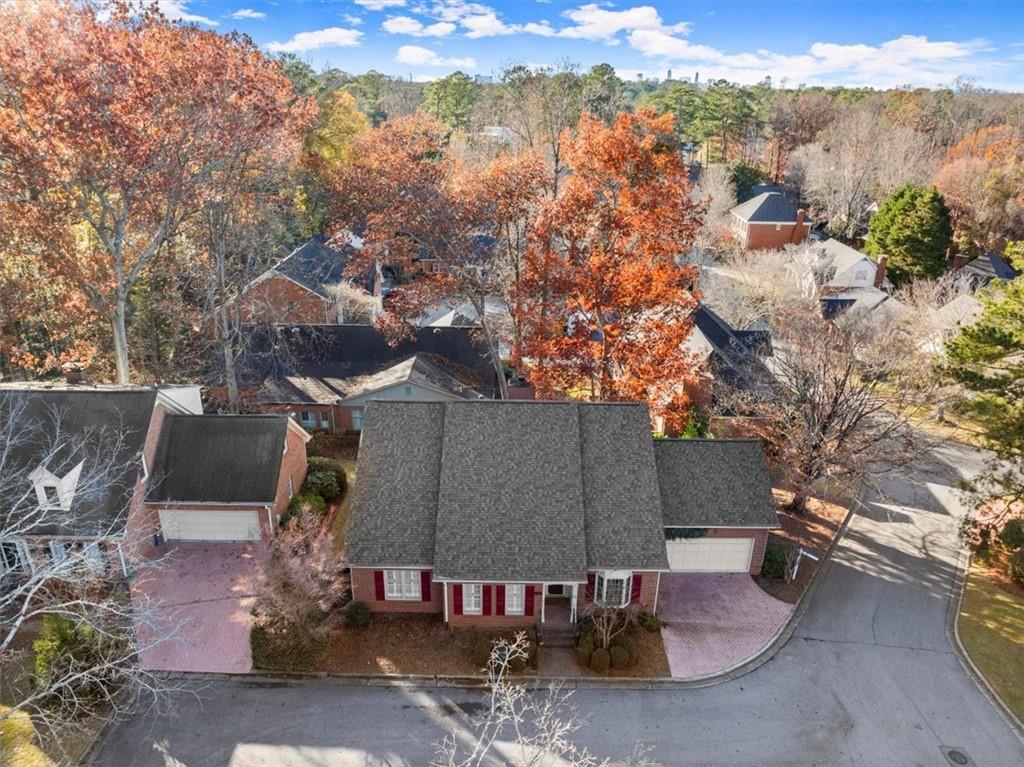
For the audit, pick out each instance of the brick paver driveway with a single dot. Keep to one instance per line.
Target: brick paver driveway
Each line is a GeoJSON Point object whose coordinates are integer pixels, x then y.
{"type": "Point", "coordinates": [200, 596]}
{"type": "Point", "coordinates": [715, 620]}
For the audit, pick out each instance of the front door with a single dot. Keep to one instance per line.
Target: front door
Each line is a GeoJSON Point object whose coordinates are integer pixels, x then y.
{"type": "Point", "coordinates": [560, 602]}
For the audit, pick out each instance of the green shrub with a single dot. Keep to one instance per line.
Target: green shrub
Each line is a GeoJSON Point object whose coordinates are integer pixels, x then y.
{"type": "Point", "coordinates": [619, 656]}
{"type": "Point", "coordinates": [18, 741]}
{"type": "Point", "coordinates": [482, 652]}
{"type": "Point", "coordinates": [317, 464]}
{"type": "Point", "coordinates": [651, 622]}
{"type": "Point", "coordinates": [322, 483]}
{"type": "Point", "coordinates": [1016, 566]}
{"type": "Point", "coordinates": [626, 643]}
{"type": "Point", "coordinates": [357, 615]}
{"type": "Point", "coordinates": [291, 650]}
{"type": "Point", "coordinates": [599, 661]}
{"type": "Point", "coordinates": [776, 556]}
{"type": "Point", "coordinates": [1012, 535]}
{"type": "Point", "coordinates": [63, 646]}
{"type": "Point", "coordinates": [584, 650]}
{"type": "Point", "coordinates": [309, 502]}
{"type": "Point", "coordinates": [517, 663]}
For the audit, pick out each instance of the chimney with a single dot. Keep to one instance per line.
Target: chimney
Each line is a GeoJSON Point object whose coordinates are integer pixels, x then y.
{"type": "Point", "coordinates": [880, 271]}
{"type": "Point", "coordinates": [799, 232]}
{"type": "Point", "coordinates": [960, 260]}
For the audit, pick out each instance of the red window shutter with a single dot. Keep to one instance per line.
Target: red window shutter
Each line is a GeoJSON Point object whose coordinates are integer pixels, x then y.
{"type": "Point", "coordinates": [591, 578]}
{"type": "Point", "coordinates": [425, 585]}
{"type": "Point", "coordinates": [634, 592]}
{"type": "Point", "coordinates": [378, 585]}
{"type": "Point", "coordinates": [457, 599]}
{"type": "Point", "coordinates": [486, 599]}
{"type": "Point", "coordinates": [528, 600]}
{"type": "Point", "coordinates": [499, 599]}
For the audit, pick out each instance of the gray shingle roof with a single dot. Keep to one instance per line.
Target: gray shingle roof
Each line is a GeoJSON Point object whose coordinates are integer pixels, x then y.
{"type": "Point", "coordinates": [769, 207]}
{"type": "Point", "coordinates": [620, 489]}
{"type": "Point", "coordinates": [506, 490]}
{"type": "Point", "coordinates": [106, 427]}
{"type": "Point", "coordinates": [218, 458]}
{"type": "Point", "coordinates": [393, 504]}
{"type": "Point", "coordinates": [714, 483]}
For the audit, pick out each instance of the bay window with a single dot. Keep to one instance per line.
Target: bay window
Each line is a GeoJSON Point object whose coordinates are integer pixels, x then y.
{"type": "Point", "coordinates": [402, 585]}
{"type": "Point", "coordinates": [612, 588]}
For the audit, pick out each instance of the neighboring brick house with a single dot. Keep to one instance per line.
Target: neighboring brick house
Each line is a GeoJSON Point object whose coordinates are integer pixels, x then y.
{"type": "Point", "coordinates": [768, 221]}
{"type": "Point", "coordinates": [325, 374]}
{"type": "Point", "coordinates": [302, 287]}
{"type": "Point", "coordinates": [107, 432]}
{"type": "Point", "coordinates": [523, 513]}
{"type": "Point", "coordinates": [225, 477]}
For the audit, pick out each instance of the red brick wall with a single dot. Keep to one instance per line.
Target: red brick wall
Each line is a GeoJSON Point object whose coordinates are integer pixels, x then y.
{"type": "Point", "coordinates": [760, 537]}
{"type": "Point", "coordinates": [765, 236]}
{"type": "Point", "coordinates": [293, 466]}
{"type": "Point", "coordinates": [278, 299]}
{"type": "Point", "coordinates": [143, 523]}
{"type": "Point", "coordinates": [492, 620]}
{"type": "Point", "coordinates": [340, 416]}
{"type": "Point", "coordinates": [364, 590]}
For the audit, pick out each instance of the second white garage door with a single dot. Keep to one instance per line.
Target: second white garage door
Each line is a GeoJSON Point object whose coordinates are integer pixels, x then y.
{"type": "Point", "coordinates": [710, 555]}
{"type": "Point", "coordinates": [183, 525]}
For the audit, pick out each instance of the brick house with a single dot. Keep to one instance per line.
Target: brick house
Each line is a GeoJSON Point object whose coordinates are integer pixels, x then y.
{"type": "Point", "coordinates": [324, 375]}
{"type": "Point", "coordinates": [301, 287]}
{"type": "Point", "coordinates": [522, 513]}
{"type": "Point", "coordinates": [225, 477]}
{"type": "Point", "coordinates": [768, 221]}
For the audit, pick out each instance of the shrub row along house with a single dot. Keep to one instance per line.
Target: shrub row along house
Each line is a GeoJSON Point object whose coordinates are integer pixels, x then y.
{"type": "Point", "coordinates": [509, 513]}
{"type": "Point", "coordinates": [120, 469]}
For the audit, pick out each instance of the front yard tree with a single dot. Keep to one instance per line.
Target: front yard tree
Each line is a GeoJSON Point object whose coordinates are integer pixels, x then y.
{"type": "Point", "coordinates": [77, 592]}
{"type": "Point", "coordinates": [453, 232]}
{"type": "Point", "coordinates": [109, 147]}
{"type": "Point", "coordinates": [450, 100]}
{"type": "Point", "coordinates": [848, 393]}
{"type": "Point", "coordinates": [987, 360]}
{"type": "Point", "coordinates": [913, 228]}
{"type": "Point", "coordinates": [606, 309]}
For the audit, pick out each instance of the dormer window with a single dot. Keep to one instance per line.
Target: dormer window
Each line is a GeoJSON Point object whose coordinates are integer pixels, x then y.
{"type": "Point", "coordinates": [52, 495]}
{"type": "Point", "coordinates": [52, 491]}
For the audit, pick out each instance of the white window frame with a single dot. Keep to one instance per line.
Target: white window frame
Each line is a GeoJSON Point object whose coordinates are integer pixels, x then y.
{"type": "Point", "coordinates": [49, 503]}
{"type": "Point", "coordinates": [402, 586]}
{"type": "Point", "coordinates": [291, 488]}
{"type": "Point", "coordinates": [58, 551]}
{"type": "Point", "coordinates": [515, 599]}
{"type": "Point", "coordinates": [472, 599]}
{"type": "Point", "coordinates": [145, 469]}
{"type": "Point", "coordinates": [24, 563]}
{"type": "Point", "coordinates": [325, 420]}
{"type": "Point", "coordinates": [601, 587]}
{"type": "Point", "coordinates": [306, 417]}
{"type": "Point", "coordinates": [357, 419]}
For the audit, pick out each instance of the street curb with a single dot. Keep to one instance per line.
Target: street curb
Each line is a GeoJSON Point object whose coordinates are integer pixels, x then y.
{"type": "Point", "coordinates": [954, 605]}
{"type": "Point", "coordinates": [429, 681]}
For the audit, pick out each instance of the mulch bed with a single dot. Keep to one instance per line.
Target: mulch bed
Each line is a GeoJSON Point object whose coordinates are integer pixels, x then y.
{"type": "Point", "coordinates": [652, 662]}
{"type": "Point", "coordinates": [814, 531]}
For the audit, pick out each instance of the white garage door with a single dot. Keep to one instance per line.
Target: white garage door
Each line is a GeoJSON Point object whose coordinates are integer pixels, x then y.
{"type": "Point", "coordinates": [710, 555]}
{"type": "Point", "coordinates": [184, 525]}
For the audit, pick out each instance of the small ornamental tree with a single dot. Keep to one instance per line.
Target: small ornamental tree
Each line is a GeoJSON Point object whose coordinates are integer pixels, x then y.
{"type": "Point", "coordinates": [914, 229]}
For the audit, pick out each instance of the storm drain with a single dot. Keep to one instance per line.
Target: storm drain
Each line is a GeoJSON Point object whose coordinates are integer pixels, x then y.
{"type": "Point", "coordinates": [956, 757]}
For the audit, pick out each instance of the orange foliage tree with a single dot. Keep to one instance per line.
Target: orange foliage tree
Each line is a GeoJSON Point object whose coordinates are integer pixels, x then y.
{"type": "Point", "coordinates": [982, 181]}
{"type": "Point", "coordinates": [454, 233]}
{"type": "Point", "coordinates": [606, 309]}
{"type": "Point", "coordinates": [108, 147]}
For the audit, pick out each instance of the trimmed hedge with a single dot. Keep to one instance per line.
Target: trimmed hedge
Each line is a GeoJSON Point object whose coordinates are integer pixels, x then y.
{"type": "Point", "coordinates": [619, 656]}
{"type": "Point", "coordinates": [357, 615]}
{"type": "Point", "coordinates": [317, 463]}
{"type": "Point", "coordinates": [775, 557]}
{"type": "Point", "coordinates": [600, 660]}
{"type": "Point", "coordinates": [482, 652]}
{"type": "Point", "coordinates": [1012, 535]}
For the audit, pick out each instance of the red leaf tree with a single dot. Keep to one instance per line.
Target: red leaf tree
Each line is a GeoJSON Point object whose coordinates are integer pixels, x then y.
{"type": "Point", "coordinates": [605, 309]}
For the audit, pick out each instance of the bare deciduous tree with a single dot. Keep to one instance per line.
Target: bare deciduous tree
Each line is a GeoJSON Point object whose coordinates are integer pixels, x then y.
{"type": "Point", "coordinates": [531, 728]}
{"type": "Point", "coordinates": [848, 395]}
{"type": "Point", "coordinates": [717, 193]}
{"type": "Point", "coordinates": [80, 579]}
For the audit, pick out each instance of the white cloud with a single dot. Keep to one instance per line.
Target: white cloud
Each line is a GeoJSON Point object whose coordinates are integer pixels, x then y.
{"type": "Point", "coordinates": [415, 56]}
{"type": "Point", "coordinates": [380, 5]}
{"type": "Point", "coordinates": [177, 10]}
{"type": "Point", "coordinates": [487, 25]}
{"type": "Point", "coordinates": [248, 13]}
{"type": "Point", "coordinates": [332, 37]}
{"type": "Point", "coordinates": [352, 19]}
{"type": "Point", "coordinates": [406, 25]}
{"type": "Point", "coordinates": [596, 23]}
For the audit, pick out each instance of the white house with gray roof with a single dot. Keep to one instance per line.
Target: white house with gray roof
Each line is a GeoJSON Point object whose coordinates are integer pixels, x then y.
{"type": "Point", "coordinates": [512, 513]}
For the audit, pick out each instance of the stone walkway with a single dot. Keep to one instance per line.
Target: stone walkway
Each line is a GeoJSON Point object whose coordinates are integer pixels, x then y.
{"type": "Point", "coordinates": [200, 594]}
{"type": "Point", "coordinates": [715, 620]}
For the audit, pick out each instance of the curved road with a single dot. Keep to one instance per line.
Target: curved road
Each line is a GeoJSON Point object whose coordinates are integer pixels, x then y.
{"type": "Point", "coordinates": [869, 678]}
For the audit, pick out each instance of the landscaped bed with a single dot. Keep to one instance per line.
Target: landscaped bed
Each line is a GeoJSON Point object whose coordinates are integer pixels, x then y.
{"type": "Point", "coordinates": [992, 630]}
{"type": "Point", "coordinates": [814, 531]}
{"type": "Point", "coordinates": [651, 661]}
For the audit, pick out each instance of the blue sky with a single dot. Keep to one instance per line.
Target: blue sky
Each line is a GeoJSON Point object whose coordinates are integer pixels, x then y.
{"type": "Point", "coordinates": [881, 44]}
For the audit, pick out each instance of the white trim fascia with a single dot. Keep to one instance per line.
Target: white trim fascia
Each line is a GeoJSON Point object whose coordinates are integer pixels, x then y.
{"type": "Point", "coordinates": [403, 382]}
{"type": "Point", "coordinates": [251, 505]}
{"type": "Point", "coordinates": [720, 527]}
{"type": "Point", "coordinates": [504, 581]}
{"type": "Point", "coordinates": [171, 405]}
{"type": "Point", "coordinates": [444, 590]}
{"type": "Point", "coordinates": [306, 436]}
{"type": "Point", "coordinates": [398, 567]}
{"type": "Point", "coordinates": [657, 592]}
{"type": "Point", "coordinates": [775, 223]}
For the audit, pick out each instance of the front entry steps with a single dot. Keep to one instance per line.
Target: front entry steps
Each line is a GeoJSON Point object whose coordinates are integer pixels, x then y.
{"type": "Point", "coordinates": [558, 636]}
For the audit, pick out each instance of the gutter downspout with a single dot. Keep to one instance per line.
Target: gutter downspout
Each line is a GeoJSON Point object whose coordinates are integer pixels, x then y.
{"type": "Point", "coordinates": [445, 589]}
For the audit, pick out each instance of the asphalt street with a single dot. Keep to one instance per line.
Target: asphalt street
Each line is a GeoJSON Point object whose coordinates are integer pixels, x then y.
{"type": "Point", "coordinates": [868, 678]}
